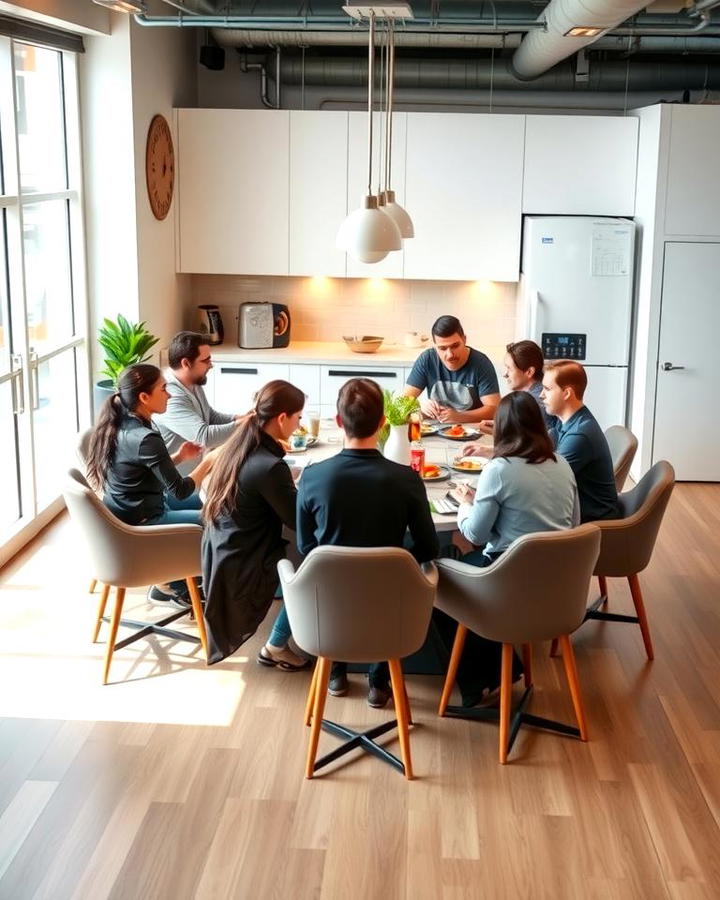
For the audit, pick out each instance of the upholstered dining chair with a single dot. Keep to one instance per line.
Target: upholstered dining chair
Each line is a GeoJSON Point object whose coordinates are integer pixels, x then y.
{"type": "Point", "coordinates": [627, 544]}
{"type": "Point", "coordinates": [124, 556]}
{"type": "Point", "coordinates": [536, 591]}
{"type": "Point", "coordinates": [358, 605]}
{"type": "Point", "coordinates": [623, 446]}
{"type": "Point", "coordinates": [82, 450]}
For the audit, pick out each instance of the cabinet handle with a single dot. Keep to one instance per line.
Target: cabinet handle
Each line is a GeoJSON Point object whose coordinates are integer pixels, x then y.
{"type": "Point", "coordinates": [226, 371]}
{"type": "Point", "coordinates": [669, 367]}
{"type": "Point", "coordinates": [361, 373]}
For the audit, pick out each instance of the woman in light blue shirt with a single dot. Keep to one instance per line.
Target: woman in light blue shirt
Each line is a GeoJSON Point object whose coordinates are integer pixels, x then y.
{"type": "Point", "coordinates": [524, 488]}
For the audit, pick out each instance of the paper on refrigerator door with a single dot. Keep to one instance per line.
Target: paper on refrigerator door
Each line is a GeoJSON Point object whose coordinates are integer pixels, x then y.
{"type": "Point", "coordinates": [611, 246]}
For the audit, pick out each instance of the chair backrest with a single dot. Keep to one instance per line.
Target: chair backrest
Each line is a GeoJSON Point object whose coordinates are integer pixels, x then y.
{"type": "Point", "coordinates": [535, 591]}
{"type": "Point", "coordinates": [623, 445]}
{"type": "Point", "coordinates": [121, 554]}
{"type": "Point", "coordinates": [627, 543]}
{"type": "Point", "coordinates": [359, 604]}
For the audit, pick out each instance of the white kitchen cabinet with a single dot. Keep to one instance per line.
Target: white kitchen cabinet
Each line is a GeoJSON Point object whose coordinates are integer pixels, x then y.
{"type": "Point", "coordinates": [233, 191]}
{"type": "Point", "coordinates": [392, 265]}
{"type": "Point", "coordinates": [332, 378]}
{"type": "Point", "coordinates": [580, 165]}
{"type": "Point", "coordinates": [235, 384]}
{"type": "Point", "coordinates": [318, 191]}
{"type": "Point", "coordinates": [307, 378]}
{"type": "Point", "coordinates": [463, 191]}
{"type": "Point", "coordinates": [693, 192]}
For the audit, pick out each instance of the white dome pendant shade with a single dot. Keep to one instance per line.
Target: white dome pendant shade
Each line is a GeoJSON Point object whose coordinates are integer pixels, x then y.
{"type": "Point", "coordinates": [399, 215]}
{"type": "Point", "coordinates": [368, 233]}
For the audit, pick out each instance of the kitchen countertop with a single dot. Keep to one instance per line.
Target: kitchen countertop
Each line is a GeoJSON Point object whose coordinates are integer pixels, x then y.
{"type": "Point", "coordinates": [320, 352]}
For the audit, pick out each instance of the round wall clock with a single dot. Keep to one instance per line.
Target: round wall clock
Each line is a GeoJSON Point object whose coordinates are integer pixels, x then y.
{"type": "Point", "coordinates": [159, 167]}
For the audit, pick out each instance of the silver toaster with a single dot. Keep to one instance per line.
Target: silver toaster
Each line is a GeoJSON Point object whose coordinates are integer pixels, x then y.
{"type": "Point", "coordinates": [256, 325]}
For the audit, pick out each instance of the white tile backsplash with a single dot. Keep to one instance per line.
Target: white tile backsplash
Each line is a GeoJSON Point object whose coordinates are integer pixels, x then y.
{"type": "Point", "coordinates": [323, 309]}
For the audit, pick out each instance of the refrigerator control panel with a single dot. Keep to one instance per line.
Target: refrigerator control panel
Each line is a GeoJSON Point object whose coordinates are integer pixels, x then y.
{"type": "Point", "coordinates": [563, 346]}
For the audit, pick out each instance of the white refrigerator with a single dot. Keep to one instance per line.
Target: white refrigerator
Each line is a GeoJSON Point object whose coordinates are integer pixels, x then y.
{"type": "Point", "coordinates": [575, 301]}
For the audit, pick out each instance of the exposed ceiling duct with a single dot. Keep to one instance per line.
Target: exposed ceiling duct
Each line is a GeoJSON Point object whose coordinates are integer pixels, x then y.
{"type": "Point", "coordinates": [540, 50]}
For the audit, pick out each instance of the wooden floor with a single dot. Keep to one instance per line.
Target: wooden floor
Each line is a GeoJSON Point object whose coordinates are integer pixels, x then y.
{"type": "Point", "coordinates": [178, 781]}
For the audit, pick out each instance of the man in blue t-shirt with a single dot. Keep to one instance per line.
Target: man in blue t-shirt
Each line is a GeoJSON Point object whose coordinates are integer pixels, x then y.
{"type": "Point", "coordinates": [461, 383]}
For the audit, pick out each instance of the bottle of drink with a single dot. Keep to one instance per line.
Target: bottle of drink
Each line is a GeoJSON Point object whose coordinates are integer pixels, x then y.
{"type": "Point", "coordinates": [414, 427]}
{"type": "Point", "coordinates": [417, 457]}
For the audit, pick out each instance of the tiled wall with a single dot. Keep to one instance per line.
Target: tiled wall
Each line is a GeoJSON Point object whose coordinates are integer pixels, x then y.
{"type": "Point", "coordinates": [324, 309]}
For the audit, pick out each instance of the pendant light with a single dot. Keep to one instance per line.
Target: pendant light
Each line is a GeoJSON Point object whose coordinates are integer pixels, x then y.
{"type": "Point", "coordinates": [392, 208]}
{"type": "Point", "coordinates": [368, 233]}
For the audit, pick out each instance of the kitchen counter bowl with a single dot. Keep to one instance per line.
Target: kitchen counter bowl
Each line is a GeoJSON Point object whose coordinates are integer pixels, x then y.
{"type": "Point", "coordinates": [368, 343]}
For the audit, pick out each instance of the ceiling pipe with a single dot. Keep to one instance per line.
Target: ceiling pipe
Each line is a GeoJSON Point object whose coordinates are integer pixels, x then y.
{"type": "Point", "coordinates": [540, 51]}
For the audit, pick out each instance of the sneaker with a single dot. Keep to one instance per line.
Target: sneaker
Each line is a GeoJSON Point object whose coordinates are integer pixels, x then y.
{"type": "Point", "coordinates": [282, 658]}
{"type": "Point", "coordinates": [378, 697]}
{"type": "Point", "coordinates": [338, 685]}
{"type": "Point", "coordinates": [164, 595]}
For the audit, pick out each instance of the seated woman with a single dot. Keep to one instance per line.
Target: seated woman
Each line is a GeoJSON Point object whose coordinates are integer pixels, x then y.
{"type": "Point", "coordinates": [129, 462]}
{"type": "Point", "coordinates": [251, 495]}
{"type": "Point", "coordinates": [524, 488]}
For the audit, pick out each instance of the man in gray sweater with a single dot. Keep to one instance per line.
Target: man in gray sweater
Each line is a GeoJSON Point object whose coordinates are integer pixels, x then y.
{"type": "Point", "coordinates": [189, 416]}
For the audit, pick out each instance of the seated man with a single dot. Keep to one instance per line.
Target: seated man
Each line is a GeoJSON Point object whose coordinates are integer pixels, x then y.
{"type": "Point", "coordinates": [579, 438]}
{"type": "Point", "coordinates": [189, 416]}
{"type": "Point", "coordinates": [360, 499]}
{"type": "Point", "coordinates": [461, 383]}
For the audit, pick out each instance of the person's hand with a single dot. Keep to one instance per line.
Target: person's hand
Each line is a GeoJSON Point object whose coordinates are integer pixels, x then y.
{"type": "Point", "coordinates": [447, 414]}
{"type": "Point", "coordinates": [476, 449]}
{"type": "Point", "coordinates": [463, 493]}
{"type": "Point", "coordinates": [487, 426]}
{"type": "Point", "coordinates": [187, 450]}
{"type": "Point", "coordinates": [430, 409]}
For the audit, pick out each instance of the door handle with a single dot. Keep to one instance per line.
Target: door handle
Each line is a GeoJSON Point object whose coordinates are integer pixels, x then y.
{"type": "Point", "coordinates": [34, 380]}
{"type": "Point", "coordinates": [18, 396]}
{"type": "Point", "coordinates": [669, 367]}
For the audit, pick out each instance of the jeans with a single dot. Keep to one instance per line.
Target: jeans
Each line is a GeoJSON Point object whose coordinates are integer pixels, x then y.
{"type": "Point", "coordinates": [280, 634]}
{"type": "Point", "coordinates": [179, 512]}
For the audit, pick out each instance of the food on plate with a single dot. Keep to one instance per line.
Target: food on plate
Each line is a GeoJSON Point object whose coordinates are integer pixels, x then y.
{"type": "Point", "coordinates": [431, 471]}
{"type": "Point", "coordinates": [427, 428]}
{"type": "Point", "coordinates": [455, 431]}
{"type": "Point", "coordinates": [471, 465]}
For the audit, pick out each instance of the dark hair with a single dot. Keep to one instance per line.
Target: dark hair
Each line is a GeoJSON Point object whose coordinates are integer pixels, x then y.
{"type": "Point", "coordinates": [185, 345]}
{"type": "Point", "coordinates": [360, 406]}
{"type": "Point", "coordinates": [133, 381]}
{"type": "Point", "coordinates": [520, 429]}
{"type": "Point", "coordinates": [446, 326]}
{"type": "Point", "coordinates": [274, 398]}
{"type": "Point", "coordinates": [570, 374]}
{"type": "Point", "coordinates": [527, 355]}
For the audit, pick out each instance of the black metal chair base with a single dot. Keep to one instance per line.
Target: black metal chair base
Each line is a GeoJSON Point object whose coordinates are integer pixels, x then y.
{"type": "Point", "coordinates": [146, 628]}
{"type": "Point", "coordinates": [519, 717]}
{"type": "Point", "coordinates": [363, 740]}
{"type": "Point", "coordinates": [594, 612]}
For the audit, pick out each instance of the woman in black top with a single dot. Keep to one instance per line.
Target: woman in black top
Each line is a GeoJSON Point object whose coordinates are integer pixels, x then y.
{"type": "Point", "coordinates": [129, 462]}
{"type": "Point", "coordinates": [251, 495]}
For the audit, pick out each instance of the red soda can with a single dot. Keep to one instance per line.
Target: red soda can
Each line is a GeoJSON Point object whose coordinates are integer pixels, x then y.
{"type": "Point", "coordinates": [417, 458]}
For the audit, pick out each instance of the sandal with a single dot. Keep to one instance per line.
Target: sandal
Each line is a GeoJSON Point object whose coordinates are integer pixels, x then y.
{"type": "Point", "coordinates": [265, 658]}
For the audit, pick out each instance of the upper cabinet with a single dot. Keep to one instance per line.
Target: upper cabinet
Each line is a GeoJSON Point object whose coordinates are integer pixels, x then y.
{"type": "Point", "coordinates": [463, 191]}
{"type": "Point", "coordinates": [693, 193]}
{"type": "Point", "coordinates": [580, 165]}
{"type": "Point", "coordinates": [357, 182]}
{"type": "Point", "coordinates": [233, 191]}
{"type": "Point", "coordinates": [318, 188]}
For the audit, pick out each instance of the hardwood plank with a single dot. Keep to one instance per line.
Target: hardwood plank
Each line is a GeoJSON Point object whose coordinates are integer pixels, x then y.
{"type": "Point", "coordinates": [19, 818]}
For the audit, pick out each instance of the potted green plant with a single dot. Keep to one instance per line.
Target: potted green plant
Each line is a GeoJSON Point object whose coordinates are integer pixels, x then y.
{"type": "Point", "coordinates": [125, 343]}
{"type": "Point", "coordinates": [394, 436]}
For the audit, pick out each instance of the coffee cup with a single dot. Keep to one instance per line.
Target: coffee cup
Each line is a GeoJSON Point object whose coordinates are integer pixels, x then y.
{"type": "Point", "coordinates": [415, 339]}
{"type": "Point", "coordinates": [298, 441]}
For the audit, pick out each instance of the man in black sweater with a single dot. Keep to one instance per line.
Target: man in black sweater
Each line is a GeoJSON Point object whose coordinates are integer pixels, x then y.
{"type": "Point", "coordinates": [360, 499]}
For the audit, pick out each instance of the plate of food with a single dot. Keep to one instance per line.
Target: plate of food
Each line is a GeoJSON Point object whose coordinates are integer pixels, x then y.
{"type": "Point", "coordinates": [435, 472]}
{"type": "Point", "coordinates": [470, 464]}
{"type": "Point", "coordinates": [428, 428]}
{"type": "Point", "coordinates": [459, 432]}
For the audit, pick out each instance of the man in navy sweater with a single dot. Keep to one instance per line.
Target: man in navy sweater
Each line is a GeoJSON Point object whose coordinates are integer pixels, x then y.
{"type": "Point", "coordinates": [360, 499]}
{"type": "Point", "coordinates": [579, 438]}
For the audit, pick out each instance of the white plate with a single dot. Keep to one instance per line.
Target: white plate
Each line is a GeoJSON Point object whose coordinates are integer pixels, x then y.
{"type": "Point", "coordinates": [469, 434]}
{"type": "Point", "coordinates": [441, 476]}
{"type": "Point", "coordinates": [476, 469]}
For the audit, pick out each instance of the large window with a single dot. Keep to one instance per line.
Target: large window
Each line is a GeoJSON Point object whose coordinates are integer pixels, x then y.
{"type": "Point", "coordinates": [43, 350]}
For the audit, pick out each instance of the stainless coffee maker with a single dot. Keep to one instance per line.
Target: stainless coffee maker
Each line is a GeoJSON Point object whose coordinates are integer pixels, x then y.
{"type": "Point", "coordinates": [210, 323]}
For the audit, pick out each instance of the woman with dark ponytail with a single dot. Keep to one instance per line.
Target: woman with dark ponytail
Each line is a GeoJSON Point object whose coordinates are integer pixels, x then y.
{"type": "Point", "coordinates": [251, 495]}
{"type": "Point", "coordinates": [129, 462]}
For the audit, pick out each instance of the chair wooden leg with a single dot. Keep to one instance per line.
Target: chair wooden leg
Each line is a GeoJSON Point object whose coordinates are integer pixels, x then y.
{"type": "Point", "coordinates": [321, 683]}
{"type": "Point", "coordinates": [602, 581]}
{"type": "Point", "coordinates": [574, 684]}
{"type": "Point", "coordinates": [198, 613]}
{"type": "Point", "coordinates": [505, 700]}
{"type": "Point", "coordinates": [455, 657]}
{"type": "Point", "coordinates": [402, 711]}
{"type": "Point", "coordinates": [104, 594]}
{"type": "Point", "coordinates": [527, 664]}
{"type": "Point", "coordinates": [311, 694]}
{"type": "Point", "coordinates": [637, 597]}
{"type": "Point", "coordinates": [114, 625]}
{"type": "Point", "coordinates": [554, 647]}
{"type": "Point", "coordinates": [93, 585]}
